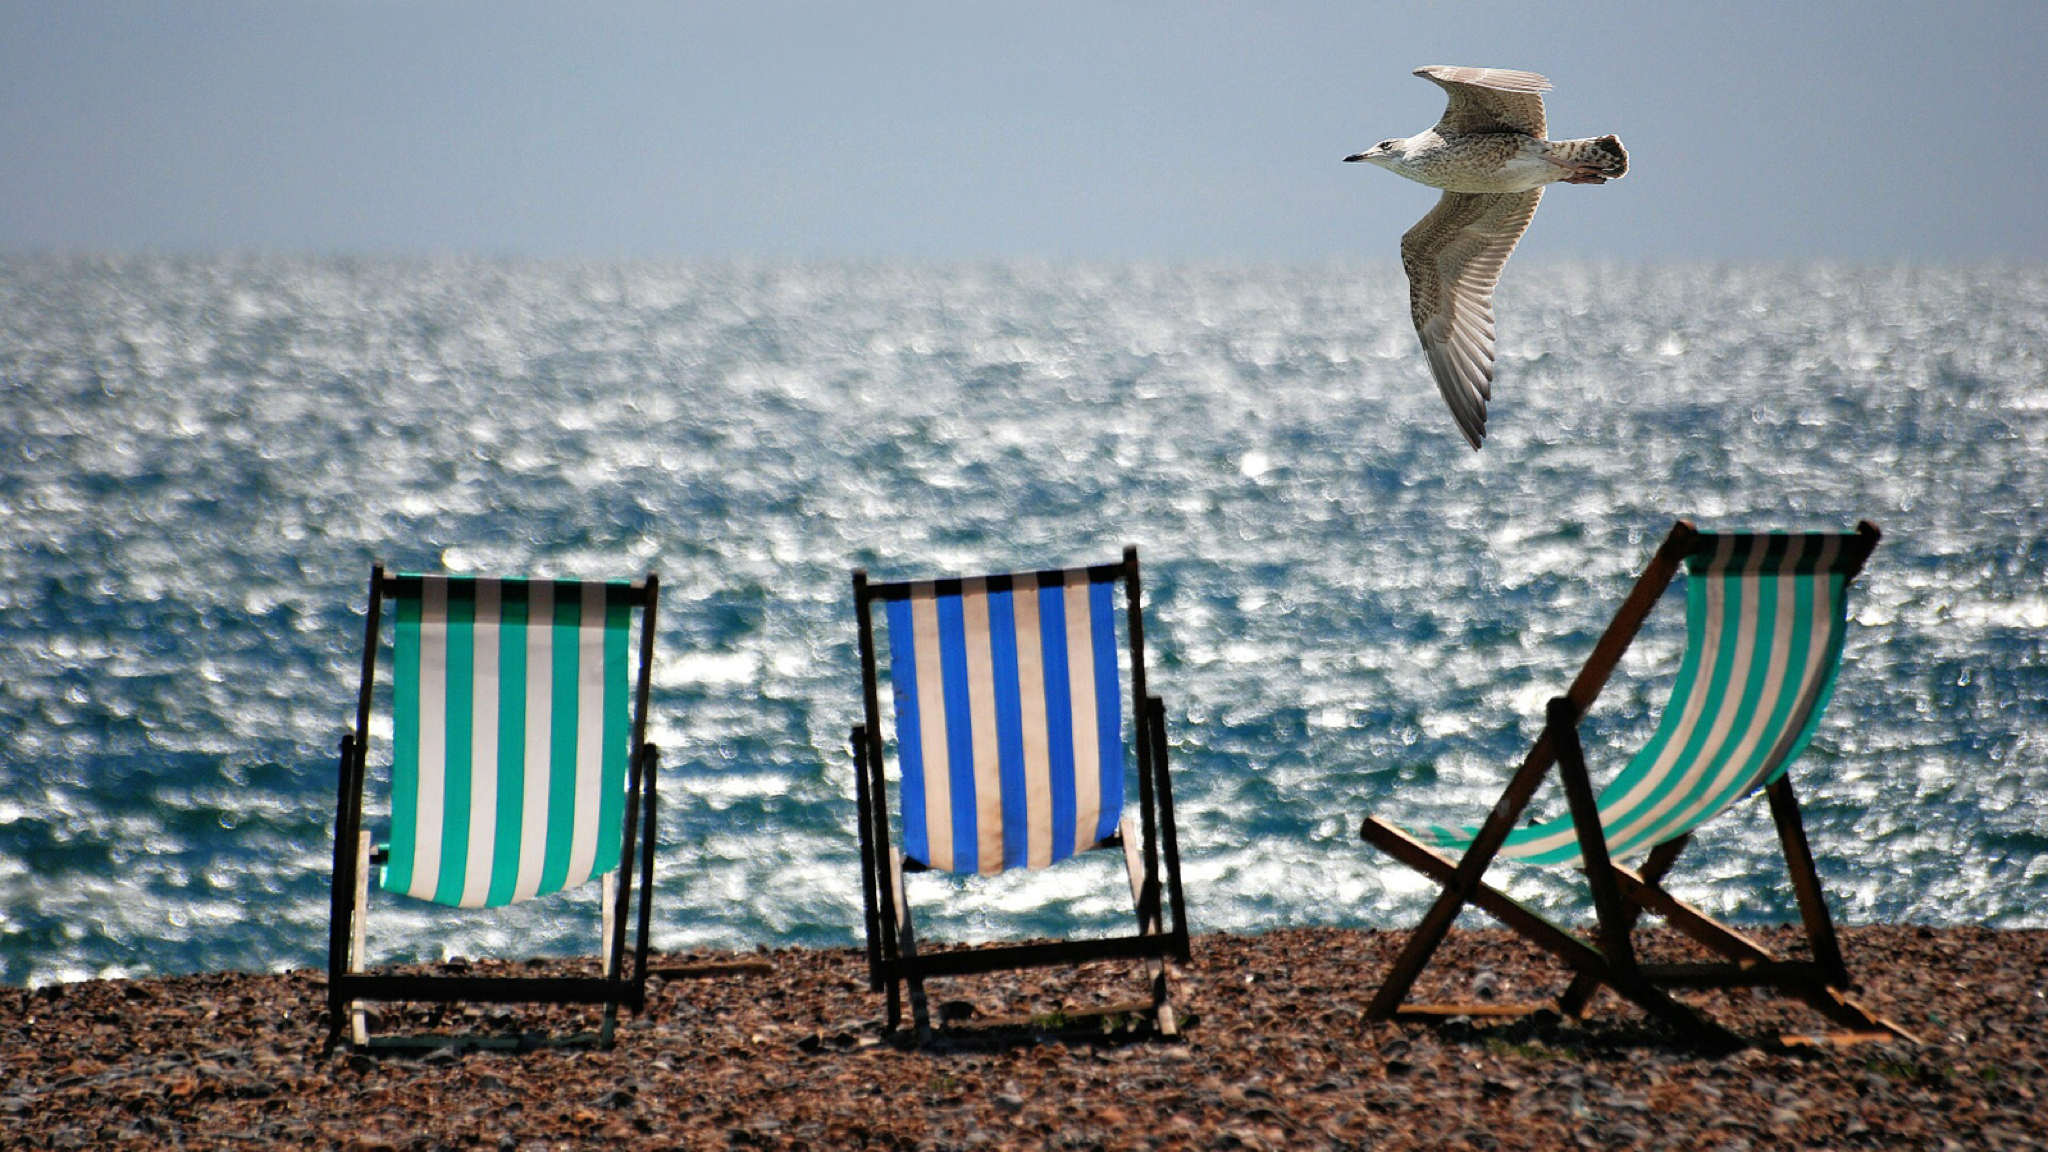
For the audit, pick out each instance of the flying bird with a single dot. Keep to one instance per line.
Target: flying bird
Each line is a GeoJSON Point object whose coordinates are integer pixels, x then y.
{"type": "Point", "coordinates": [1490, 156]}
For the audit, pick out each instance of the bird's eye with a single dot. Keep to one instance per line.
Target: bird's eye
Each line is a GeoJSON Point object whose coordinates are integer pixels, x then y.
{"type": "Point", "coordinates": [1387, 144]}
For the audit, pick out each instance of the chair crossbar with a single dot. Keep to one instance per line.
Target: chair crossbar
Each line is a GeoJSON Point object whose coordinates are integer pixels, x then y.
{"type": "Point", "coordinates": [1786, 974]}
{"type": "Point", "coordinates": [889, 590]}
{"type": "Point", "coordinates": [493, 989]}
{"type": "Point", "coordinates": [1690, 921]}
{"type": "Point", "coordinates": [1043, 954]}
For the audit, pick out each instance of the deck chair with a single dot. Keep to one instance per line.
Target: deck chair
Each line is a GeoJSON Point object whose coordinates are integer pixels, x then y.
{"type": "Point", "coordinates": [1010, 753]}
{"type": "Point", "coordinates": [1765, 619]}
{"type": "Point", "coordinates": [519, 768]}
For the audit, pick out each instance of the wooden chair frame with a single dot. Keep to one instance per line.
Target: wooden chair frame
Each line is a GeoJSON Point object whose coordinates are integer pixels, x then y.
{"type": "Point", "coordinates": [1620, 895]}
{"type": "Point", "coordinates": [894, 956]}
{"type": "Point", "coordinates": [618, 985]}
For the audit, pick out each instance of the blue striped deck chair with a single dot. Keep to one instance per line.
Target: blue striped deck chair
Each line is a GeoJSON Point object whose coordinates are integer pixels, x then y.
{"type": "Point", "coordinates": [1766, 615]}
{"type": "Point", "coordinates": [1012, 743]}
{"type": "Point", "coordinates": [519, 769]}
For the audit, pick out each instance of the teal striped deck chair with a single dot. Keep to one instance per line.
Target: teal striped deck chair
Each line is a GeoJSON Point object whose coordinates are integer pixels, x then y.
{"type": "Point", "coordinates": [1013, 749]}
{"type": "Point", "coordinates": [519, 768]}
{"type": "Point", "coordinates": [1766, 615]}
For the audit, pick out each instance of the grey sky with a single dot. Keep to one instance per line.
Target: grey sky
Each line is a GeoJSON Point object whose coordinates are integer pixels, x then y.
{"type": "Point", "coordinates": [963, 129]}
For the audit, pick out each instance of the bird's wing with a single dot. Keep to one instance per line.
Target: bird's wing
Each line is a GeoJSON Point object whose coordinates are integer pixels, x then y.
{"type": "Point", "coordinates": [1489, 99]}
{"type": "Point", "coordinates": [1453, 257]}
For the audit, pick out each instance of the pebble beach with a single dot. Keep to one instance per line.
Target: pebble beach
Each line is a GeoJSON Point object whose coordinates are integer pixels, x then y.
{"type": "Point", "coordinates": [785, 1050]}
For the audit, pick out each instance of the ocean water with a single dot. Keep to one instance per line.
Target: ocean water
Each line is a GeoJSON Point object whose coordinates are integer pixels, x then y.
{"type": "Point", "coordinates": [1348, 611]}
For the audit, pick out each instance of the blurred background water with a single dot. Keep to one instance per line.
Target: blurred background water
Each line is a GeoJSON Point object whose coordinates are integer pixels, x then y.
{"type": "Point", "coordinates": [1348, 611]}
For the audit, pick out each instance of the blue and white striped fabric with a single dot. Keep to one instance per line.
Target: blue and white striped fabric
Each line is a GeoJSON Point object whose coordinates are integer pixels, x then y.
{"type": "Point", "coordinates": [1009, 719]}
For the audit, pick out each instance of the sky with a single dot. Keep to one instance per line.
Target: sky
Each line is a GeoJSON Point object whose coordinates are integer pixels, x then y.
{"type": "Point", "coordinates": [1197, 130]}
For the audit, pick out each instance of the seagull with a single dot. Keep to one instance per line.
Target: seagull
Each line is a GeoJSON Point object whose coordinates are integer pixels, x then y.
{"type": "Point", "coordinates": [1490, 157]}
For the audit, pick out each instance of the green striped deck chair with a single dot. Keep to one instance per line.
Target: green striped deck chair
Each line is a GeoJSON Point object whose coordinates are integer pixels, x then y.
{"type": "Point", "coordinates": [1765, 619]}
{"type": "Point", "coordinates": [519, 769]}
{"type": "Point", "coordinates": [1010, 739]}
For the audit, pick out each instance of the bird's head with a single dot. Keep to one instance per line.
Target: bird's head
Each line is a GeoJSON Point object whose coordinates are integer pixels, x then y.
{"type": "Point", "coordinates": [1386, 153]}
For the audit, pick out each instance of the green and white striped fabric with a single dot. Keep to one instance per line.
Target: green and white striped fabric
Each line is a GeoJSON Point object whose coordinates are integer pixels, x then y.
{"type": "Point", "coordinates": [1765, 619]}
{"type": "Point", "coordinates": [510, 711]}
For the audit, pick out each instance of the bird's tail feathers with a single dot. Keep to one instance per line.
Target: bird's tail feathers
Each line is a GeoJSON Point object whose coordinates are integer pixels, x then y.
{"type": "Point", "coordinates": [1604, 154]}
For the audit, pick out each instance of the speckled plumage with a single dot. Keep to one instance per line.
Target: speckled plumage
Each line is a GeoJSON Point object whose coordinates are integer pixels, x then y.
{"type": "Point", "coordinates": [1490, 155]}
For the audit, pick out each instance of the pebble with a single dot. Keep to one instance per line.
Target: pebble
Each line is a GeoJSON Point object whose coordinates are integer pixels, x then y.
{"type": "Point", "coordinates": [790, 1054]}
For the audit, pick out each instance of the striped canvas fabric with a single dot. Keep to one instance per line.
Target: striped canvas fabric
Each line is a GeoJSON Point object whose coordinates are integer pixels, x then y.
{"type": "Point", "coordinates": [510, 711]}
{"type": "Point", "coordinates": [1009, 719]}
{"type": "Point", "coordinates": [1765, 619]}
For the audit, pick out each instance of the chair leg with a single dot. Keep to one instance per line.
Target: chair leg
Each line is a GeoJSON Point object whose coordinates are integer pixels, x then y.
{"type": "Point", "coordinates": [1422, 942]}
{"type": "Point", "coordinates": [358, 943]}
{"type": "Point", "coordinates": [608, 934]}
{"type": "Point", "coordinates": [1145, 901]}
{"type": "Point", "coordinates": [906, 943]}
{"type": "Point", "coordinates": [1583, 987]}
{"type": "Point", "coordinates": [1616, 943]}
{"type": "Point", "coordinates": [1169, 836]}
{"type": "Point", "coordinates": [1813, 905]}
{"type": "Point", "coordinates": [1466, 877]}
{"type": "Point", "coordinates": [870, 898]}
{"type": "Point", "coordinates": [608, 927]}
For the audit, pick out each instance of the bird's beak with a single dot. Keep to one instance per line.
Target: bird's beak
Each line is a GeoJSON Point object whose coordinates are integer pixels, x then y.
{"type": "Point", "coordinates": [1354, 159]}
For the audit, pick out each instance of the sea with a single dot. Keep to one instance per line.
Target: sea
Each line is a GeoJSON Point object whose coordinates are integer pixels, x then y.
{"type": "Point", "coordinates": [1348, 611]}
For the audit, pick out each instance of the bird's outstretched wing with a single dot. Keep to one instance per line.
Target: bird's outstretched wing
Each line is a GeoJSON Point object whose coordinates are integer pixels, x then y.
{"type": "Point", "coordinates": [1489, 99]}
{"type": "Point", "coordinates": [1453, 257]}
